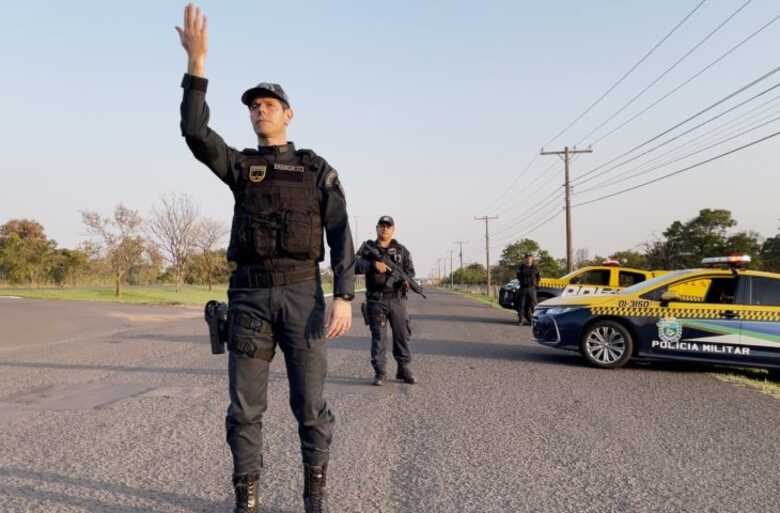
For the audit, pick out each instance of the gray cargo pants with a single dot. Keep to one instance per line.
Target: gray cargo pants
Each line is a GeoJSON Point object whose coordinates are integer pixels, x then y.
{"type": "Point", "coordinates": [392, 311]}
{"type": "Point", "coordinates": [292, 318]}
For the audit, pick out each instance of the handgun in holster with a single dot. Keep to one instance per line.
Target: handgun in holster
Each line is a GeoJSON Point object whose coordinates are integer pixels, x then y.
{"type": "Point", "coordinates": [216, 314]}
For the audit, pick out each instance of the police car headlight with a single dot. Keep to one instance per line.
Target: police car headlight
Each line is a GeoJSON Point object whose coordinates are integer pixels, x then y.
{"type": "Point", "coordinates": [558, 310]}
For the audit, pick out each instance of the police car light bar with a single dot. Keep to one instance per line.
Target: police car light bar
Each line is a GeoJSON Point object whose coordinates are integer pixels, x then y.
{"type": "Point", "coordinates": [729, 260]}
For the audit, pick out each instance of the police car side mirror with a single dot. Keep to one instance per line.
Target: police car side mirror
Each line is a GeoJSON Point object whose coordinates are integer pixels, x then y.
{"type": "Point", "coordinates": [667, 297]}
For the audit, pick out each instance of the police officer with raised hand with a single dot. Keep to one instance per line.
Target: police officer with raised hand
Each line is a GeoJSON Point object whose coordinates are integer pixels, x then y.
{"type": "Point", "coordinates": [528, 277]}
{"type": "Point", "coordinates": [386, 301]}
{"type": "Point", "coordinates": [285, 199]}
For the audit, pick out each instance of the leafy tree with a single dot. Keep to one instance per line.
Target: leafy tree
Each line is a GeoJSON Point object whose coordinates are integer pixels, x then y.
{"type": "Point", "coordinates": [122, 245]}
{"type": "Point", "coordinates": [26, 254]}
{"type": "Point", "coordinates": [770, 254]}
{"type": "Point", "coordinates": [629, 258]}
{"type": "Point", "coordinates": [512, 254]}
{"type": "Point", "coordinates": [209, 233]}
{"type": "Point", "coordinates": [69, 266]}
{"type": "Point", "coordinates": [549, 267]}
{"type": "Point", "coordinates": [472, 274]}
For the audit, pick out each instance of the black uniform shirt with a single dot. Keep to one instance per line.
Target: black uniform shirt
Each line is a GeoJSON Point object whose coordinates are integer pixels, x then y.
{"type": "Point", "coordinates": [209, 148]}
{"type": "Point", "coordinates": [528, 276]}
{"type": "Point", "coordinates": [396, 252]}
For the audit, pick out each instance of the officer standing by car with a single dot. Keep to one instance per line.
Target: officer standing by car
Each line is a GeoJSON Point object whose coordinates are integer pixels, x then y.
{"type": "Point", "coordinates": [528, 278]}
{"type": "Point", "coordinates": [285, 199]}
{"type": "Point", "coordinates": [386, 302]}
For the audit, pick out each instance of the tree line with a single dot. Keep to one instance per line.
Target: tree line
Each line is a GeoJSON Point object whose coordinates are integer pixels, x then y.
{"type": "Point", "coordinates": [682, 245]}
{"type": "Point", "coordinates": [174, 244]}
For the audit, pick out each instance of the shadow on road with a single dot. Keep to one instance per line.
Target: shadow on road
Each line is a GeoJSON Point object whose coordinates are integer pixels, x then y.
{"type": "Point", "coordinates": [464, 318]}
{"type": "Point", "coordinates": [487, 350]}
{"type": "Point", "coordinates": [101, 506]}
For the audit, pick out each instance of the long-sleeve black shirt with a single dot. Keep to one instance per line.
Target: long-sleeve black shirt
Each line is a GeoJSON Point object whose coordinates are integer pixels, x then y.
{"type": "Point", "coordinates": [528, 276]}
{"type": "Point", "coordinates": [210, 149]}
{"type": "Point", "coordinates": [376, 282]}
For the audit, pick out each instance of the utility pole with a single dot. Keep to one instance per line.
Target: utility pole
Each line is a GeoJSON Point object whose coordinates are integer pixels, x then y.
{"type": "Point", "coordinates": [460, 254]}
{"type": "Point", "coordinates": [566, 156]}
{"type": "Point", "coordinates": [487, 247]}
{"type": "Point", "coordinates": [452, 274]}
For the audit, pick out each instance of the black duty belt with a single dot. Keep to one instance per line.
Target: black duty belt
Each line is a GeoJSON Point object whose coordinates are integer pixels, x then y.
{"type": "Point", "coordinates": [251, 278]}
{"type": "Point", "coordinates": [390, 294]}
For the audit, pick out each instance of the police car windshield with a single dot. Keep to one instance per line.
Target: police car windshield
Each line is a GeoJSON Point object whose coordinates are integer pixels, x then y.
{"type": "Point", "coordinates": [651, 283]}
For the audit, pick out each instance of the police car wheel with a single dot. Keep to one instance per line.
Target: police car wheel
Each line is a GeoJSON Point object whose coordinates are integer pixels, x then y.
{"type": "Point", "coordinates": [774, 374]}
{"type": "Point", "coordinates": [607, 344]}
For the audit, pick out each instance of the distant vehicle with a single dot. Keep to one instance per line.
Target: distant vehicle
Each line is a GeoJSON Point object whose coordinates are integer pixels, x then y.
{"type": "Point", "coordinates": [721, 315]}
{"type": "Point", "coordinates": [607, 278]}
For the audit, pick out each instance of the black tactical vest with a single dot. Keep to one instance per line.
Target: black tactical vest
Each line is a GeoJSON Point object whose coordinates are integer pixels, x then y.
{"type": "Point", "coordinates": [378, 282]}
{"type": "Point", "coordinates": [277, 210]}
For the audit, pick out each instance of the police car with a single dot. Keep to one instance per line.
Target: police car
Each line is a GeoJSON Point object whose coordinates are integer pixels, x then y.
{"type": "Point", "coordinates": [606, 278]}
{"type": "Point", "coordinates": [718, 315]}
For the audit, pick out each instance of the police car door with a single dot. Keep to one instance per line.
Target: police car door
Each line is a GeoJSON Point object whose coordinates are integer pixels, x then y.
{"type": "Point", "coordinates": [710, 327]}
{"type": "Point", "coordinates": [761, 326]}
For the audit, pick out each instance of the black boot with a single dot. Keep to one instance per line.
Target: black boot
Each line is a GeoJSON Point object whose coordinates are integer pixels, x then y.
{"type": "Point", "coordinates": [246, 493]}
{"type": "Point", "coordinates": [379, 380]}
{"type": "Point", "coordinates": [404, 373]}
{"type": "Point", "coordinates": [315, 498]}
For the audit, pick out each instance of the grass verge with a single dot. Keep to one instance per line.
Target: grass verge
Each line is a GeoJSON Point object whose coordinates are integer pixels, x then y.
{"type": "Point", "coordinates": [477, 296]}
{"type": "Point", "coordinates": [189, 295]}
{"type": "Point", "coordinates": [753, 378]}
{"type": "Point", "coordinates": [158, 295]}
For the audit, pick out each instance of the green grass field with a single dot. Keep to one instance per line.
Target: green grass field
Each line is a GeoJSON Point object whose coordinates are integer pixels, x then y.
{"type": "Point", "coordinates": [162, 295]}
{"type": "Point", "coordinates": [158, 295]}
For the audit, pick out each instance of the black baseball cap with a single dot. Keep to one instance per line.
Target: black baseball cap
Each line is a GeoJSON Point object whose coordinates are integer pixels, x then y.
{"type": "Point", "coordinates": [386, 220]}
{"type": "Point", "coordinates": [265, 89]}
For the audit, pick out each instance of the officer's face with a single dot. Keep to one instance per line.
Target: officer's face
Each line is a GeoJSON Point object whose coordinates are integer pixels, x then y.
{"type": "Point", "coordinates": [269, 117]}
{"type": "Point", "coordinates": [385, 231]}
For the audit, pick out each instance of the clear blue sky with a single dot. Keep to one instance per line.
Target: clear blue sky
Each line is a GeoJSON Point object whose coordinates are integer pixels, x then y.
{"type": "Point", "coordinates": [429, 110]}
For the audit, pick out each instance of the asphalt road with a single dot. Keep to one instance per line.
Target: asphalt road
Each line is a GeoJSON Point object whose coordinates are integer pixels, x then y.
{"type": "Point", "coordinates": [109, 408]}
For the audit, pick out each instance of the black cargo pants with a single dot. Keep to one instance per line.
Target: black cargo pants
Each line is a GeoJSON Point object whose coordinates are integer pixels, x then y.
{"type": "Point", "coordinates": [381, 311]}
{"type": "Point", "coordinates": [525, 302]}
{"type": "Point", "coordinates": [289, 317]}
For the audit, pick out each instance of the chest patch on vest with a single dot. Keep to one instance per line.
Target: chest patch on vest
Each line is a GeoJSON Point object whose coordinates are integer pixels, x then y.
{"type": "Point", "coordinates": [257, 173]}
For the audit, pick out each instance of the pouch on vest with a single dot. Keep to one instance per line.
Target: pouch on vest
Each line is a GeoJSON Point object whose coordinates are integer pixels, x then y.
{"type": "Point", "coordinates": [298, 234]}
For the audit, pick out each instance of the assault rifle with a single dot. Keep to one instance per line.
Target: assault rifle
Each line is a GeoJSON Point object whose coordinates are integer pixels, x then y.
{"type": "Point", "coordinates": [396, 274]}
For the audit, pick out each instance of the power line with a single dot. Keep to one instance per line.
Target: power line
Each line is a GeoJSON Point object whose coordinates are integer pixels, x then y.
{"type": "Point", "coordinates": [612, 181]}
{"type": "Point", "coordinates": [627, 73]}
{"type": "Point", "coordinates": [530, 221]}
{"type": "Point", "coordinates": [740, 134]}
{"type": "Point", "coordinates": [688, 168]}
{"type": "Point", "coordinates": [609, 90]}
{"type": "Point", "coordinates": [729, 96]}
{"type": "Point", "coordinates": [689, 80]}
{"type": "Point", "coordinates": [667, 71]}
{"type": "Point", "coordinates": [531, 184]}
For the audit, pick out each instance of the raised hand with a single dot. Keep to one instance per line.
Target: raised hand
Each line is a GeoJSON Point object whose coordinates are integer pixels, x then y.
{"type": "Point", "coordinates": [194, 38]}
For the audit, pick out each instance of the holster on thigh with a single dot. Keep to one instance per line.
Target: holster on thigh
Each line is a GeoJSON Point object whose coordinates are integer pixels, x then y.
{"type": "Point", "coordinates": [250, 336]}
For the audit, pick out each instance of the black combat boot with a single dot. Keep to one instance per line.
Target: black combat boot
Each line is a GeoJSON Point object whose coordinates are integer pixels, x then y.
{"type": "Point", "coordinates": [379, 380]}
{"type": "Point", "coordinates": [246, 493]}
{"type": "Point", "coordinates": [315, 498]}
{"type": "Point", "coordinates": [404, 373]}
